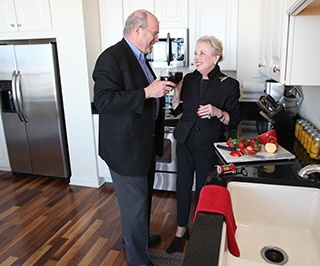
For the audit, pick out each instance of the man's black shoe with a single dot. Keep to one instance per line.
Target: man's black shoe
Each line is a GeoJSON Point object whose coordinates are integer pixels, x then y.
{"type": "Point", "coordinates": [154, 239]}
{"type": "Point", "coordinates": [147, 264]}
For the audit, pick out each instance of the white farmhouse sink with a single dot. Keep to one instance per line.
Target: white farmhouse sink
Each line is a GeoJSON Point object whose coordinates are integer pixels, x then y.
{"type": "Point", "coordinates": [275, 217]}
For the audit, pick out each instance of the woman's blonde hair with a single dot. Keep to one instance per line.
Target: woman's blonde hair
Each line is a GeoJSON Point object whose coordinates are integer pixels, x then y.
{"type": "Point", "coordinates": [214, 44]}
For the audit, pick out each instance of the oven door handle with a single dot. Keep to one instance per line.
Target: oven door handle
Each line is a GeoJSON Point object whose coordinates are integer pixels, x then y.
{"type": "Point", "coordinates": [169, 49]}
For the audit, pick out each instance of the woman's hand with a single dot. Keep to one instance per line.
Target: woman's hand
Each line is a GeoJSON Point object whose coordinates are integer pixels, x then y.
{"type": "Point", "coordinates": [176, 99]}
{"type": "Point", "coordinates": [208, 111]}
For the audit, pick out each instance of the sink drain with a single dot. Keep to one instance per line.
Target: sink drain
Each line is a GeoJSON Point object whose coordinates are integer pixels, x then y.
{"type": "Point", "coordinates": [274, 255]}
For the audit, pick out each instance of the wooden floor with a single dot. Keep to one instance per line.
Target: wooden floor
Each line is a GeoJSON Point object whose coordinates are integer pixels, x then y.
{"type": "Point", "coordinates": [45, 221]}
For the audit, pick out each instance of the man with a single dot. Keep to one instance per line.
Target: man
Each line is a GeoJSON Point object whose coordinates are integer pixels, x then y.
{"type": "Point", "coordinates": [130, 103]}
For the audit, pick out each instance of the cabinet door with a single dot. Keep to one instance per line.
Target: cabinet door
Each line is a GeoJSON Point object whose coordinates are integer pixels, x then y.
{"type": "Point", "coordinates": [129, 6]}
{"type": "Point", "coordinates": [278, 40]}
{"type": "Point", "coordinates": [266, 39]}
{"type": "Point", "coordinates": [111, 22]}
{"type": "Point", "coordinates": [275, 27]}
{"type": "Point", "coordinates": [33, 15]}
{"type": "Point", "coordinates": [103, 169]}
{"type": "Point", "coordinates": [8, 17]}
{"type": "Point", "coordinates": [303, 51]}
{"type": "Point", "coordinates": [217, 18]}
{"type": "Point", "coordinates": [172, 13]}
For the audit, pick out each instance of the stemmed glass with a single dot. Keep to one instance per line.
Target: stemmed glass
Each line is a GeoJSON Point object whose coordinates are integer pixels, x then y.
{"type": "Point", "coordinates": [171, 73]}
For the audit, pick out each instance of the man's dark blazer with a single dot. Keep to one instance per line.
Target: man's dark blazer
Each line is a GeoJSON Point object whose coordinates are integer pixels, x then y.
{"type": "Point", "coordinates": [128, 127]}
{"type": "Point", "coordinates": [219, 90]}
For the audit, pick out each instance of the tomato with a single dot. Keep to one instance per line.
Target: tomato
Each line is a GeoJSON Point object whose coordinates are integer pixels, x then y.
{"type": "Point", "coordinates": [232, 142]}
{"type": "Point", "coordinates": [236, 153]}
{"type": "Point", "coordinates": [272, 139]}
{"type": "Point", "coordinates": [240, 145]}
{"type": "Point", "coordinates": [250, 150]}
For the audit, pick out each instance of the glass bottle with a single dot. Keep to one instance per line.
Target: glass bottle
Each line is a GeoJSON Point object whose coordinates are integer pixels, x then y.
{"type": "Point", "coordinates": [315, 147]}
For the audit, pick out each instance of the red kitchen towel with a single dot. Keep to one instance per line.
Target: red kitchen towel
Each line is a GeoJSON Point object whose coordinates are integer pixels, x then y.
{"type": "Point", "coordinates": [217, 199]}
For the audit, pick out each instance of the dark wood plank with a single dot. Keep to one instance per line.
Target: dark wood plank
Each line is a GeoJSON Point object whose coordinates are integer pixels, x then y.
{"type": "Point", "coordinates": [45, 221]}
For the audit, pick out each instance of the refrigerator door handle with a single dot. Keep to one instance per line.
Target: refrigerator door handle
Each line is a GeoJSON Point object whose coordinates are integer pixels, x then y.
{"type": "Point", "coordinates": [19, 96]}
{"type": "Point", "coordinates": [14, 95]}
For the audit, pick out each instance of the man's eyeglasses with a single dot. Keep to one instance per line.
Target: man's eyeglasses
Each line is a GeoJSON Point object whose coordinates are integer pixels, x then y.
{"type": "Point", "coordinates": [155, 34]}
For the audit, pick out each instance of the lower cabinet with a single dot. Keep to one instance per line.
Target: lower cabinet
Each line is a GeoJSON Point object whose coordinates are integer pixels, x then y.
{"type": "Point", "coordinates": [103, 169]}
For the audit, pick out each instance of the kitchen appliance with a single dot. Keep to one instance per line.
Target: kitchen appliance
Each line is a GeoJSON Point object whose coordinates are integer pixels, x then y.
{"type": "Point", "coordinates": [171, 49]}
{"type": "Point", "coordinates": [274, 89]}
{"type": "Point", "coordinates": [274, 113]}
{"type": "Point", "coordinates": [32, 108]}
{"type": "Point", "coordinates": [291, 100]}
{"type": "Point", "coordinates": [166, 166]}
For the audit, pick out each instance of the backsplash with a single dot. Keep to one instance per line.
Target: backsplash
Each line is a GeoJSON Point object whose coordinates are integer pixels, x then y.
{"type": "Point", "coordinates": [309, 108]}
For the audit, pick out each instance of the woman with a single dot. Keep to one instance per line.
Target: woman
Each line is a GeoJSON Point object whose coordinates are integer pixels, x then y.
{"type": "Point", "coordinates": [209, 102]}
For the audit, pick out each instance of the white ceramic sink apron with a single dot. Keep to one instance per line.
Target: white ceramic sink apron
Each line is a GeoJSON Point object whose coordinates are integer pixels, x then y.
{"type": "Point", "coordinates": [285, 217]}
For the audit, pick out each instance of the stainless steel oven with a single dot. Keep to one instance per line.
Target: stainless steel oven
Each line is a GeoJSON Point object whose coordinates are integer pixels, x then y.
{"type": "Point", "coordinates": [166, 166]}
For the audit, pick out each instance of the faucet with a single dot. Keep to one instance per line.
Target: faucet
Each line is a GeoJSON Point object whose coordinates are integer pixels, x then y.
{"type": "Point", "coordinates": [309, 169]}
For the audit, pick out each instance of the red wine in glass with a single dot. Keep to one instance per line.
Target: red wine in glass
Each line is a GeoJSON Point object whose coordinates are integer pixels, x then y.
{"type": "Point", "coordinates": [170, 75]}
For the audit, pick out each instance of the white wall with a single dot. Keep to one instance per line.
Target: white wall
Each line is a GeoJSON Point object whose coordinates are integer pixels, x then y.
{"type": "Point", "coordinates": [69, 28]}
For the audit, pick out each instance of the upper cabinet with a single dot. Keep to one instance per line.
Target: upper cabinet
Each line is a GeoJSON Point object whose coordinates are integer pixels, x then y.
{"type": "Point", "coordinates": [172, 13]}
{"type": "Point", "coordinates": [303, 54]}
{"type": "Point", "coordinates": [25, 15]}
{"type": "Point", "coordinates": [202, 17]}
{"type": "Point", "coordinates": [275, 25]}
{"type": "Point", "coordinates": [217, 18]}
{"type": "Point", "coordinates": [302, 7]}
{"type": "Point", "coordinates": [289, 54]}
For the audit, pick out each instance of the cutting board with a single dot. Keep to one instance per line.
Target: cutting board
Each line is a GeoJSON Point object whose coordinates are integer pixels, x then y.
{"type": "Point", "coordinates": [280, 154]}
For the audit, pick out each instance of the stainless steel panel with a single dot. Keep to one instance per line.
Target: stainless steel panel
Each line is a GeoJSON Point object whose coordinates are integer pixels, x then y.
{"type": "Point", "coordinates": [42, 108]}
{"type": "Point", "coordinates": [169, 160]}
{"type": "Point", "coordinates": [14, 129]}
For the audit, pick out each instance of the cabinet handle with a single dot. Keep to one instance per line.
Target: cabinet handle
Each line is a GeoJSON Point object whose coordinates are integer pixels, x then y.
{"type": "Point", "coordinates": [19, 25]}
{"type": "Point", "coordinates": [12, 25]}
{"type": "Point", "coordinates": [275, 69]}
{"type": "Point", "coordinates": [261, 65]}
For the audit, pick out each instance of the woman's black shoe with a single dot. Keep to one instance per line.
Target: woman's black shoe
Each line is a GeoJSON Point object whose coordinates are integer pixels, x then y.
{"type": "Point", "coordinates": [177, 242]}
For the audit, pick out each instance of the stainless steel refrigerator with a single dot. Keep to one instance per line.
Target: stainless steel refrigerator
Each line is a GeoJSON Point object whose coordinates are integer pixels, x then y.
{"type": "Point", "coordinates": [32, 108]}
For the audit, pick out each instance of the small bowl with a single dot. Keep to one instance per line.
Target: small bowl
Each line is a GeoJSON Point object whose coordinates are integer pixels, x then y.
{"type": "Point", "coordinates": [264, 137]}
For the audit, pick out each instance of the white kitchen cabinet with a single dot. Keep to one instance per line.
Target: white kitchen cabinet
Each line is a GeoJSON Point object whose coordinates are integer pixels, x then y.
{"type": "Point", "coordinates": [217, 18]}
{"type": "Point", "coordinates": [202, 17]}
{"type": "Point", "coordinates": [25, 15]}
{"type": "Point", "coordinates": [129, 6]}
{"type": "Point", "coordinates": [275, 26]}
{"type": "Point", "coordinates": [303, 54]}
{"type": "Point", "coordinates": [103, 169]}
{"type": "Point", "coordinates": [294, 7]}
{"type": "Point", "coordinates": [111, 22]}
{"type": "Point", "coordinates": [171, 13]}
{"type": "Point", "coordinates": [289, 54]}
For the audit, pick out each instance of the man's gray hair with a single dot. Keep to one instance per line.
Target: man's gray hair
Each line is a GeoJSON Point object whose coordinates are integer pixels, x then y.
{"type": "Point", "coordinates": [137, 18]}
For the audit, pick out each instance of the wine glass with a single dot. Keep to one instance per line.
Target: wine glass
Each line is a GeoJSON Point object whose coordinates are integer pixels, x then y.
{"type": "Point", "coordinates": [171, 73]}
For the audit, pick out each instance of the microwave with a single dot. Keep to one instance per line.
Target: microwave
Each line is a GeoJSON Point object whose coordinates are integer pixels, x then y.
{"type": "Point", "coordinates": [171, 49]}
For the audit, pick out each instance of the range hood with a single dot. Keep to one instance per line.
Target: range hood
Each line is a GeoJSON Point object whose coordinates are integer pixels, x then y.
{"type": "Point", "coordinates": [303, 7]}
